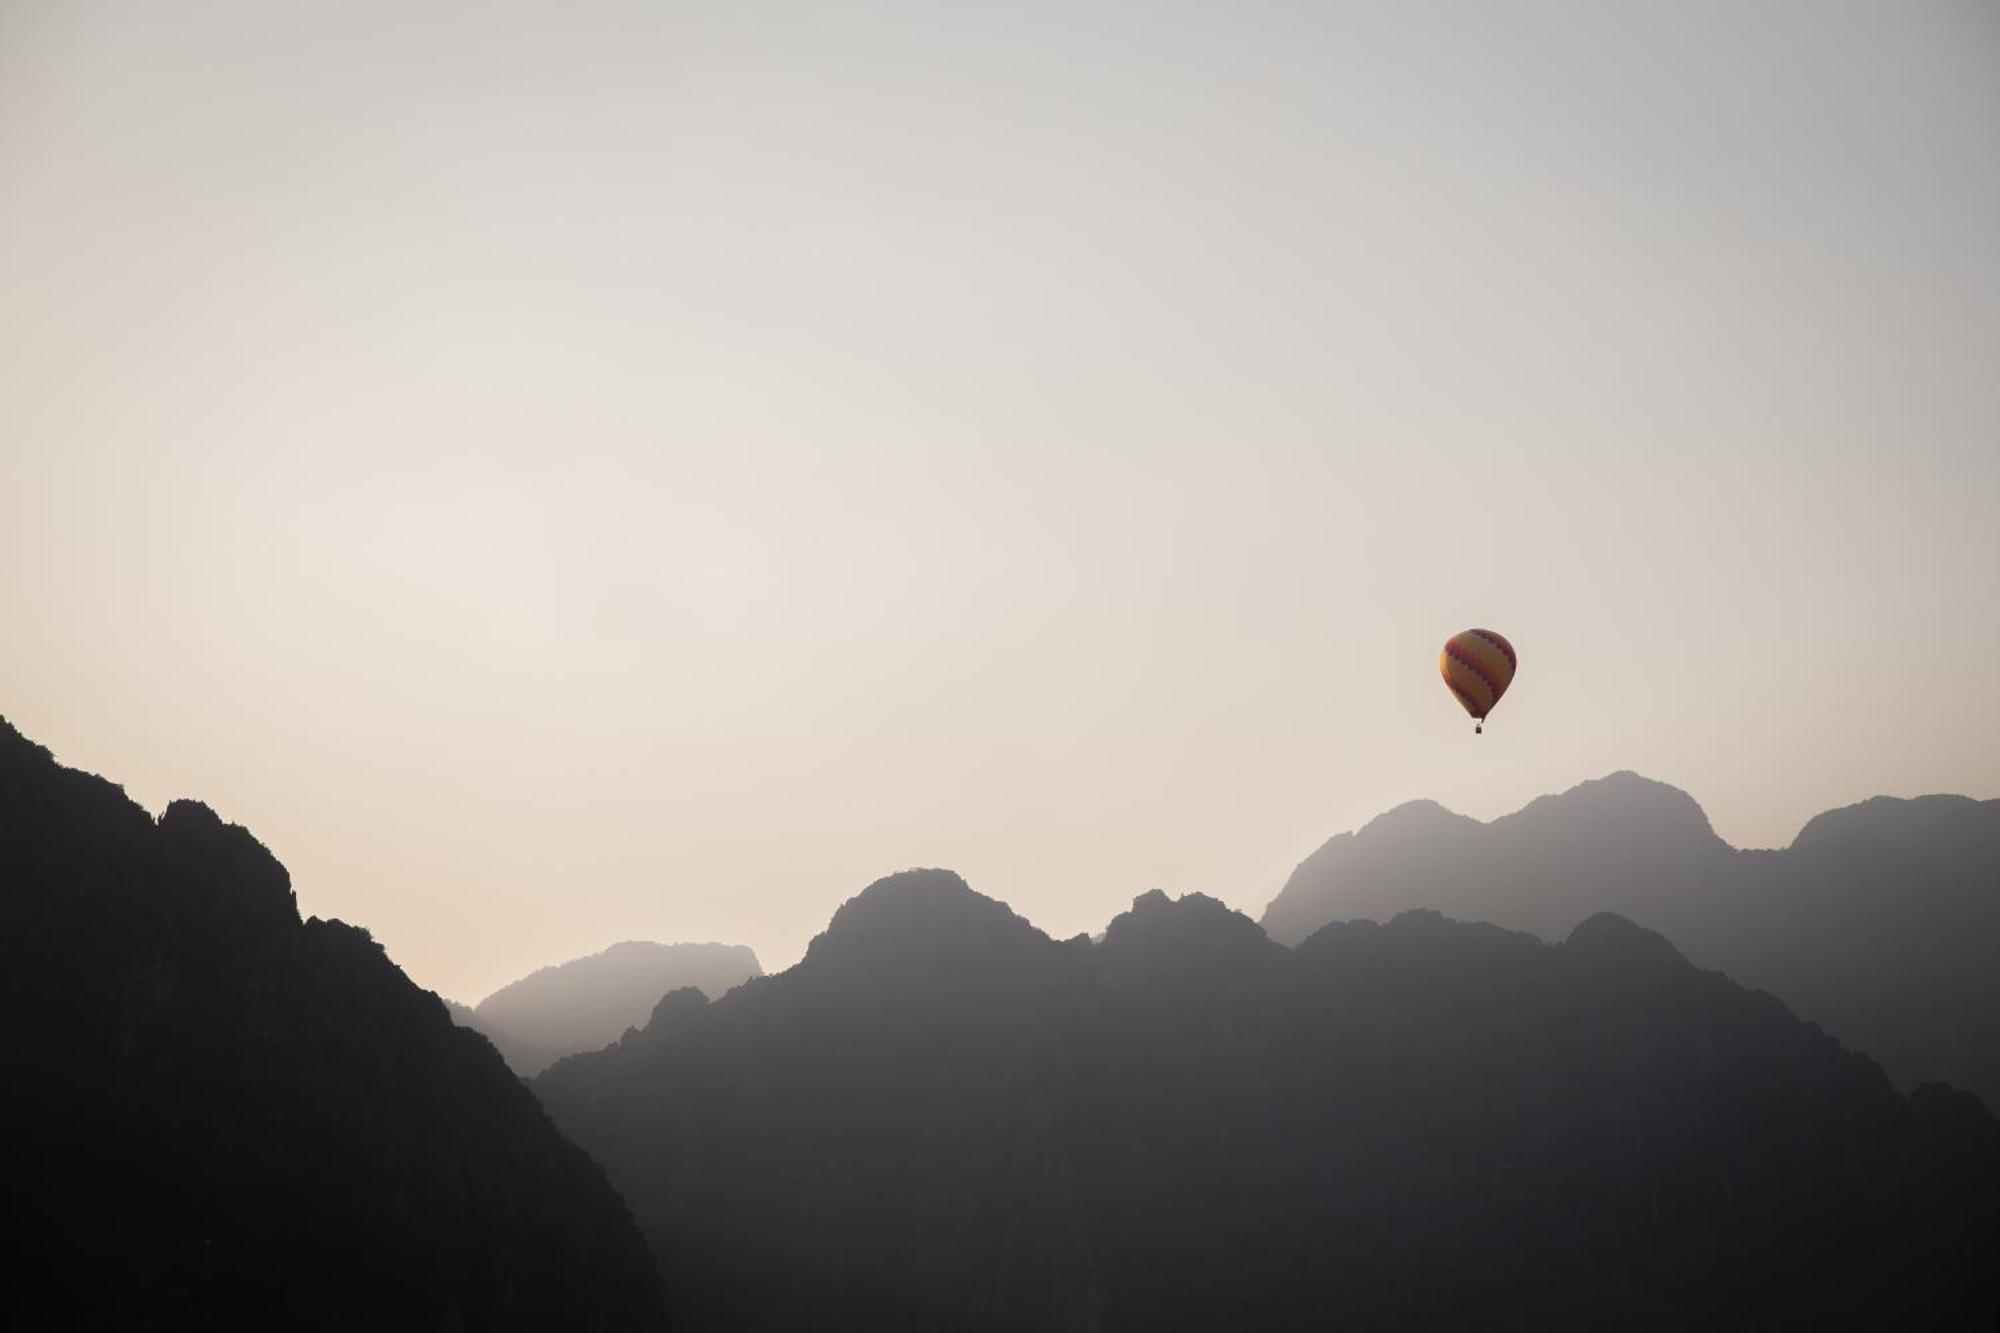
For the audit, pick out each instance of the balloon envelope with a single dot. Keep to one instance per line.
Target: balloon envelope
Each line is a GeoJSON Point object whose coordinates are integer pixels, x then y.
{"type": "Point", "coordinates": [1478, 665]}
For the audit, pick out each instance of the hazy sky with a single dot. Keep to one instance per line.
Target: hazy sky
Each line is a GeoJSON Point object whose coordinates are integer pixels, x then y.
{"type": "Point", "coordinates": [570, 472]}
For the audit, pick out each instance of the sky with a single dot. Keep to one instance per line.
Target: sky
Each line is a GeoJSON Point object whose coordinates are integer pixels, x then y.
{"type": "Point", "coordinates": [570, 472]}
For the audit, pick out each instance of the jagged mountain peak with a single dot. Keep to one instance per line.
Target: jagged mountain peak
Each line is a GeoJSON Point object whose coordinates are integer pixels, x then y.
{"type": "Point", "coordinates": [1161, 936]}
{"type": "Point", "coordinates": [1155, 920]}
{"type": "Point", "coordinates": [676, 1007]}
{"type": "Point", "coordinates": [1416, 818]}
{"type": "Point", "coordinates": [1620, 804]}
{"type": "Point", "coordinates": [226, 865]}
{"type": "Point", "coordinates": [1611, 939]}
{"type": "Point", "coordinates": [922, 919]}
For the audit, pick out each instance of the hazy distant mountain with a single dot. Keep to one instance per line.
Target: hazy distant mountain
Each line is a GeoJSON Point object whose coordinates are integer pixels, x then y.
{"type": "Point", "coordinates": [219, 1116]}
{"type": "Point", "coordinates": [589, 1002]}
{"type": "Point", "coordinates": [943, 1118]}
{"type": "Point", "coordinates": [524, 1058]}
{"type": "Point", "coordinates": [1881, 921]}
{"type": "Point", "coordinates": [1623, 844]}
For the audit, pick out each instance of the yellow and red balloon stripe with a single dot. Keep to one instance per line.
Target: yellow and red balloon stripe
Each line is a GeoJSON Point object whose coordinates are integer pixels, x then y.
{"type": "Point", "coordinates": [1478, 665]}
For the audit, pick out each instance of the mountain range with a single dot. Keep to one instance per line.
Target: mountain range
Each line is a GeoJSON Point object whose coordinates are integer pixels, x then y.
{"type": "Point", "coordinates": [589, 1002]}
{"type": "Point", "coordinates": [942, 1117]}
{"type": "Point", "coordinates": [221, 1116]}
{"type": "Point", "coordinates": [1881, 921]}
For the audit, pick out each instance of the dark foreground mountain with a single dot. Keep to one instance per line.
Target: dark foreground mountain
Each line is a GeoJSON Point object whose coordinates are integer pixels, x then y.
{"type": "Point", "coordinates": [589, 1002]}
{"type": "Point", "coordinates": [942, 1118]}
{"type": "Point", "coordinates": [218, 1116]}
{"type": "Point", "coordinates": [1881, 921]}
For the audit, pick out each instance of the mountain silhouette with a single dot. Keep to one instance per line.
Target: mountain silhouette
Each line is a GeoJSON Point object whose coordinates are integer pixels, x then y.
{"type": "Point", "coordinates": [221, 1116]}
{"type": "Point", "coordinates": [1622, 843]}
{"type": "Point", "coordinates": [943, 1118]}
{"type": "Point", "coordinates": [525, 1058]}
{"type": "Point", "coordinates": [589, 1002]}
{"type": "Point", "coordinates": [1881, 921]}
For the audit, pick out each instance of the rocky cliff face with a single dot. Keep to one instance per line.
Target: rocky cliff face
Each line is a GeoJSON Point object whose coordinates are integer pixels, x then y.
{"type": "Point", "coordinates": [220, 1115]}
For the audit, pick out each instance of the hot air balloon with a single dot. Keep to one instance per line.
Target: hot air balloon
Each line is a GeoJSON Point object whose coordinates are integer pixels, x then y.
{"type": "Point", "coordinates": [1478, 665]}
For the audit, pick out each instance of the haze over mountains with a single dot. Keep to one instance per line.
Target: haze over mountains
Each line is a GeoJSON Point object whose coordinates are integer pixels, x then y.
{"type": "Point", "coordinates": [220, 1116]}
{"type": "Point", "coordinates": [944, 1118]}
{"type": "Point", "coordinates": [1881, 921]}
{"type": "Point", "coordinates": [589, 1002]}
